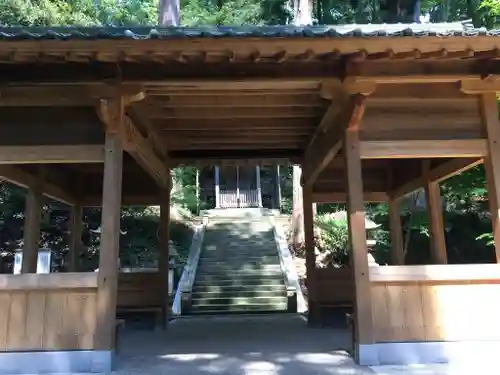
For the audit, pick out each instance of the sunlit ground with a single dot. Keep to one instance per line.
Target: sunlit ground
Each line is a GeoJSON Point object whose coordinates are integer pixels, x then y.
{"type": "Point", "coordinates": [245, 345]}
{"type": "Point", "coordinates": [256, 345]}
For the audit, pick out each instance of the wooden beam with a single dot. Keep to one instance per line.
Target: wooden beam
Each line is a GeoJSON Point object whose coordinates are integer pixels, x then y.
{"type": "Point", "coordinates": [437, 174]}
{"type": "Point", "coordinates": [259, 76]}
{"type": "Point", "coordinates": [326, 144]}
{"type": "Point", "coordinates": [22, 178]}
{"type": "Point", "coordinates": [110, 244]}
{"type": "Point", "coordinates": [127, 200]}
{"type": "Point", "coordinates": [480, 86]}
{"type": "Point", "coordinates": [489, 110]}
{"type": "Point", "coordinates": [46, 154]}
{"type": "Point", "coordinates": [141, 119]}
{"type": "Point", "coordinates": [417, 71]}
{"type": "Point", "coordinates": [340, 197]}
{"type": "Point", "coordinates": [140, 148]}
{"type": "Point", "coordinates": [364, 334]}
{"type": "Point", "coordinates": [416, 149]}
{"type": "Point", "coordinates": [60, 95]}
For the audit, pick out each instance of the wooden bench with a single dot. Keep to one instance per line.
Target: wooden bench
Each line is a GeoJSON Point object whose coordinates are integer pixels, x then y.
{"type": "Point", "coordinates": [158, 312]}
{"type": "Point", "coordinates": [334, 289]}
{"type": "Point", "coordinates": [138, 293]}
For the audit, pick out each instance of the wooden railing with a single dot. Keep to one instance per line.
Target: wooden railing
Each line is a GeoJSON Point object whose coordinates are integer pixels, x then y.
{"type": "Point", "coordinates": [48, 311]}
{"type": "Point", "coordinates": [246, 198]}
{"type": "Point", "coordinates": [436, 302]}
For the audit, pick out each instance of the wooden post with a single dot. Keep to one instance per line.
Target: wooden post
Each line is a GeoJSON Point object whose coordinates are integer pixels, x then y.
{"type": "Point", "coordinates": [436, 225]}
{"type": "Point", "coordinates": [489, 108]}
{"type": "Point", "coordinates": [259, 188]}
{"type": "Point", "coordinates": [75, 239]}
{"type": "Point", "coordinates": [197, 191]}
{"type": "Point", "coordinates": [217, 188]}
{"type": "Point", "coordinates": [397, 256]}
{"type": "Point", "coordinates": [238, 185]}
{"type": "Point", "coordinates": [163, 255]}
{"type": "Point", "coordinates": [31, 235]}
{"type": "Point", "coordinates": [110, 243]}
{"type": "Point", "coordinates": [310, 254]}
{"type": "Point", "coordinates": [297, 209]}
{"type": "Point", "coordinates": [278, 186]}
{"type": "Point", "coordinates": [357, 238]}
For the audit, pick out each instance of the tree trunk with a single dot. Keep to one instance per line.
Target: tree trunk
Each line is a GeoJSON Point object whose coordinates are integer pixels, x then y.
{"type": "Point", "coordinates": [169, 13]}
{"type": "Point", "coordinates": [302, 16]}
{"type": "Point", "coordinates": [303, 13]}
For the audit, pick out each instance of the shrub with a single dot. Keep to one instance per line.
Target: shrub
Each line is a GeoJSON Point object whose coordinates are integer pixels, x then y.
{"type": "Point", "coordinates": [332, 239]}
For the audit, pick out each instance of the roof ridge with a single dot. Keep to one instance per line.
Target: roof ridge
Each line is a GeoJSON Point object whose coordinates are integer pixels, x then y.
{"type": "Point", "coordinates": [458, 28]}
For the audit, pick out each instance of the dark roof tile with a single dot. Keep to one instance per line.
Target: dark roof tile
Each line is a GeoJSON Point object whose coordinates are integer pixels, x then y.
{"type": "Point", "coordinates": [139, 33]}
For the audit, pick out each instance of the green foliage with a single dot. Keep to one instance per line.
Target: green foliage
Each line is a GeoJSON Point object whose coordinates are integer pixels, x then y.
{"type": "Point", "coordinates": [332, 238]}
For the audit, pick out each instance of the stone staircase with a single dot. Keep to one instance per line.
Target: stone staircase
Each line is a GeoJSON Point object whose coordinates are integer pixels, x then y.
{"type": "Point", "coordinates": [239, 268]}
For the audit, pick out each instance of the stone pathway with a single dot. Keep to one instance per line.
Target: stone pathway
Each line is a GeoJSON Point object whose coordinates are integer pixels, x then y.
{"type": "Point", "coordinates": [244, 345]}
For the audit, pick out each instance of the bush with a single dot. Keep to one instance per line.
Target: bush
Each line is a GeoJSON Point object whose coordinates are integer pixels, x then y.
{"type": "Point", "coordinates": [332, 240]}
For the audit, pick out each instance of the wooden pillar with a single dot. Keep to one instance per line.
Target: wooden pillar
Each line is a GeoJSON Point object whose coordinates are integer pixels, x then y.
{"type": "Point", "coordinates": [163, 256]}
{"type": "Point", "coordinates": [278, 186]}
{"type": "Point", "coordinates": [491, 122]}
{"type": "Point", "coordinates": [436, 225]}
{"type": "Point", "coordinates": [310, 253]}
{"type": "Point", "coordinates": [397, 256]}
{"type": "Point", "coordinates": [357, 240]}
{"type": "Point", "coordinates": [297, 209]}
{"type": "Point", "coordinates": [31, 235]}
{"type": "Point", "coordinates": [110, 243]}
{"type": "Point", "coordinates": [217, 189]}
{"type": "Point", "coordinates": [197, 191]}
{"type": "Point", "coordinates": [259, 188]}
{"type": "Point", "coordinates": [75, 239]}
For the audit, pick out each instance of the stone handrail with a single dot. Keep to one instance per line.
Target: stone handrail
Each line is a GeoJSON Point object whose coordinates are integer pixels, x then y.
{"type": "Point", "coordinates": [185, 286]}
{"type": "Point", "coordinates": [287, 263]}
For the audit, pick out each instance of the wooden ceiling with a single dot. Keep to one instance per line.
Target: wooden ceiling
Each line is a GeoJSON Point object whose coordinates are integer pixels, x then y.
{"type": "Point", "coordinates": [229, 122]}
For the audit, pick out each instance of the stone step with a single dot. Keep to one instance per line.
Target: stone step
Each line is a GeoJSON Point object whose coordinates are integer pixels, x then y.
{"type": "Point", "coordinates": [221, 309]}
{"type": "Point", "coordinates": [252, 252]}
{"type": "Point", "coordinates": [240, 246]}
{"type": "Point", "coordinates": [228, 259]}
{"type": "Point", "coordinates": [214, 261]}
{"type": "Point", "coordinates": [254, 293]}
{"type": "Point", "coordinates": [239, 301]}
{"type": "Point", "coordinates": [255, 277]}
{"type": "Point", "coordinates": [235, 267]}
{"type": "Point", "coordinates": [257, 274]}
{"type": "Point", "coordinates": [230, 288]}
{"type": "Point", "coordinates": [240, 281]}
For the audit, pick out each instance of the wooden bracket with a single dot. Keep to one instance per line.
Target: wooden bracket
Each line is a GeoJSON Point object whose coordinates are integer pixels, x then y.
{"type": "Point", "coordinates": [334, 88]}
{"type": "Point", "coordinates": [480, 86]}
{"type": "Point", "coordinates": [111, 111]}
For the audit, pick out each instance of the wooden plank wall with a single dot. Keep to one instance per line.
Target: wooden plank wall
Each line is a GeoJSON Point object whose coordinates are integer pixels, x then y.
{"type": "Point", "coordinates": [139, 289]}
{"type": "Point", "coordinates": [333, 286]}
{"type": "Point", "coordinates": [417, 307]}
{"type": "Point", "coordinates": [47, 312]}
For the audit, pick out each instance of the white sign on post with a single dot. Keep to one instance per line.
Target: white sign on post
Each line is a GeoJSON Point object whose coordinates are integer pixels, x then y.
{"type": "Point", "coordinates": [43, 262]}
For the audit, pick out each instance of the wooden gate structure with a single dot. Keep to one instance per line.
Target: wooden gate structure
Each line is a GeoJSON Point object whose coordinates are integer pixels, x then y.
{"type": "Point", "coordinates": [100, 116]}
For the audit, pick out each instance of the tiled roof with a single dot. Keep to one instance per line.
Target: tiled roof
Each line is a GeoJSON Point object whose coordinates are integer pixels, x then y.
{"type": "Point", "coordinates": [141, 33]}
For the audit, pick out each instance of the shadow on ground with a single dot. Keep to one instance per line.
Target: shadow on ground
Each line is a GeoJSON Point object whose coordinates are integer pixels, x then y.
{"type": "Point", "coordinates": [241, 345]}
